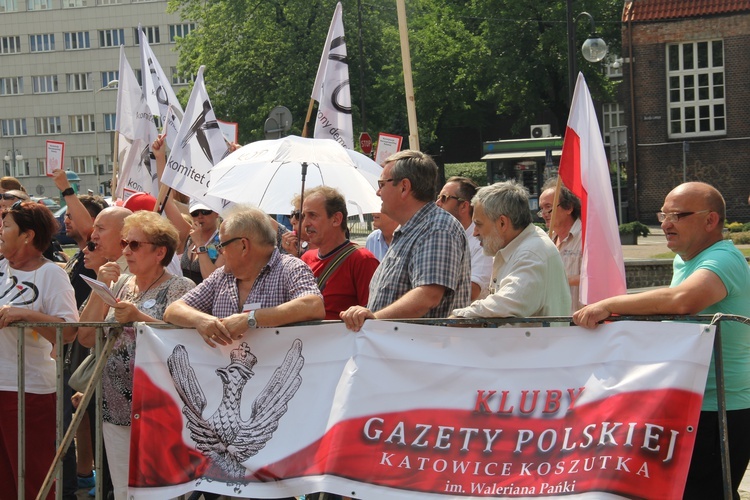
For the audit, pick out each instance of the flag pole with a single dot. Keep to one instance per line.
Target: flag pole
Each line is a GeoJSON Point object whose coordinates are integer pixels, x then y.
{"type": "Point", "coordinates": [555, 202]}
{"type": "Point", "coordinates": [307, 119]}
{"type": "Point", "coordinates": [411, 109]}
{"type": "Point", "coordinates": [115, 166]}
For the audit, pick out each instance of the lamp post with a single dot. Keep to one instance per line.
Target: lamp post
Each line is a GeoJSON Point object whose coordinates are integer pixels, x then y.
{"type": "Point", "coordinates": [111, 85]}
{"type": "Point", "coordinates": [593, 49]}
{"type": "Point", "coordinates": [15, 155]}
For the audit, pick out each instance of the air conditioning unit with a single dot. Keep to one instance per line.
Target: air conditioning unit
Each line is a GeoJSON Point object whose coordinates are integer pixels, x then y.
{"type": "Point", "coordinates": [540, 131]}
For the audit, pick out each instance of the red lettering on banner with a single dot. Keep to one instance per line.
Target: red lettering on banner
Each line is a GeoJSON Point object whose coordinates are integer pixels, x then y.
{"type": "Point", "coordinates": [527, 401]}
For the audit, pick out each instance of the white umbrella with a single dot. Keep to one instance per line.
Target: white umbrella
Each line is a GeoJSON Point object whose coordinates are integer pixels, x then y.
{"type": "Point", "coordinates": [268, 174]}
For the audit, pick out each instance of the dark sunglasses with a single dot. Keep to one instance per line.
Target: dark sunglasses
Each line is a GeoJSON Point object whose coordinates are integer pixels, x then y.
{"type": "Point", "coordinates": [294, 214]}
{"type": "Point", "coordinates": [8, 196]}
{"type": "Point", "coordinates": [443, 198]}
{"type": "Point", "coordinates": [91, 246]}
{"type": "Point", "coordinates": [196, 213]}
{"type": "Point", "coordinates": [133, 244]}
{"type": "Point", "coordinates": [220, 245]}
{"type": "Point", "coordinates": [15, 206]}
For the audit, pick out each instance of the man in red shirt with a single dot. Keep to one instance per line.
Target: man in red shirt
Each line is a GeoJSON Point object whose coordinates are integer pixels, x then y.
{"type": "Point", "coordinates": [342, 268]}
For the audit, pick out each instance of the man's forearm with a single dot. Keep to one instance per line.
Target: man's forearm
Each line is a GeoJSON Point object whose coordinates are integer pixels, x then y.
{"type": "Point", "coordinates": [415, 303]}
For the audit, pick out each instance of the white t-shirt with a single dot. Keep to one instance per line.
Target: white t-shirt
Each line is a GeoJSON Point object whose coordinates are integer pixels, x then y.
{"type": "Point", "coordinates": [47, 290]}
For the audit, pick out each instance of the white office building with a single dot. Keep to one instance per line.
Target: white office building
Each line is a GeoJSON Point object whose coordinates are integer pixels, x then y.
{"type": "Point", "coordinates": [55, 58]}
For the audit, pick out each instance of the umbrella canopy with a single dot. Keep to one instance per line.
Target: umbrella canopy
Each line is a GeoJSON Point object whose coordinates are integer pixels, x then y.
{"type": "Point", "coordinates": [268, 174]}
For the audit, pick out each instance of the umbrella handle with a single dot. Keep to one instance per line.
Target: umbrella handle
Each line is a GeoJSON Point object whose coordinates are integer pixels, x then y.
{"type": "Point", "coordinates": [301, 201]}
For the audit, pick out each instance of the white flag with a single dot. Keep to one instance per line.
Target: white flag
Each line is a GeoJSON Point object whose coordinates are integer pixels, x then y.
{"type": "Point", "coordinates": [331, 88]}
{"type": "Point", "coordinates": [136, 130]}
{"type": "Point", "coordinates": [198, 147]}
{"type": "Point", "coordinates": [158, 91]}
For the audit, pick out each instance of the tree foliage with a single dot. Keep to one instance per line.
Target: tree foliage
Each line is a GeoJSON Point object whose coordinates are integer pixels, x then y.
{"type": "Point", "coordinates": [474, 62]}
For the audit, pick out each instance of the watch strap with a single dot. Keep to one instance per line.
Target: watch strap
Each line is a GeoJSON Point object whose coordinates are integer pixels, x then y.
{"type": "Point", "coordinates": [68, 192]}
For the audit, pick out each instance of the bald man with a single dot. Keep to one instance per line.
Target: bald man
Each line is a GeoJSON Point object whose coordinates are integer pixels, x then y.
{"type": "Point", "coordinates": [107, 234]}
{"type": "Point", "coordinates": [710, 276]}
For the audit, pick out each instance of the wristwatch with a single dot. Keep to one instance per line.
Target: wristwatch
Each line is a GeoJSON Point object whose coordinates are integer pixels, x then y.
{"type": "Point", "coordinates": [200, 249]}
{"type": "Point", "coordinates": [251, 323]}
{"type": "Point", "coordinates": [68, 192]}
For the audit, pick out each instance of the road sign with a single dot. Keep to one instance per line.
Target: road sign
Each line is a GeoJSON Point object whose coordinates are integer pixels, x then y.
{"type": "Point", "coordinates": [365, 143]}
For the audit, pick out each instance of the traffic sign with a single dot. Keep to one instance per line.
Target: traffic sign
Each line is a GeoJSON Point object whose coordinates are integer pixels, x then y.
{"type": "Point", "coordinates": [365, 143]}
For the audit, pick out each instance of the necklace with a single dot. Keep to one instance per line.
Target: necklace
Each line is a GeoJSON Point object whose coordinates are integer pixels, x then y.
{"type": "Point", "coordinates": [140, 295]}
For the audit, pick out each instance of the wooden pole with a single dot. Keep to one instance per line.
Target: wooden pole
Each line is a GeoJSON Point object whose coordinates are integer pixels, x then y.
{"type": "Point", "coordinates": [307, 119]}
{"type": "Point", "coordinates": [555, 202]}
{"type": "Point", "coordinates": [115, 166]}
{"type": "Point", "coordinates": [411, 109]}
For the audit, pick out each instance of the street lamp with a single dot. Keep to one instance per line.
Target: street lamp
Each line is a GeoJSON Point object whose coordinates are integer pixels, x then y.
{"type": "Point", "coordinates": [111, 85]}
{"type": "Point", "coordinates": [593, 49]}
{"type": "Point", "coordinates": [13, 154]}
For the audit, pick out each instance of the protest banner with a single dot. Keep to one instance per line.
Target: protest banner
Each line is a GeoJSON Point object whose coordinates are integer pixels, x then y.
{"type": "Point", "coordinates": [55, 156]}
{"type": "Point", "coordinates": [388, 144]}
{"type": "Point", "coordinates": [412, 411]}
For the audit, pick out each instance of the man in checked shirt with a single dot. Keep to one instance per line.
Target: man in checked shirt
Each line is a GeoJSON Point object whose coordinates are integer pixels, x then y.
{"type": "Point", "coordinates": [256, 287]}
{"type": "Point", "coordinates": [426, 271]}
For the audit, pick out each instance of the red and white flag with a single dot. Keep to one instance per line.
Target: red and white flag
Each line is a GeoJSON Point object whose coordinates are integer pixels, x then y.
{"type": "Point", "coordinates": [331, 87]}
{"type": "Point", "coordinates": [406, 411]}
{"type": "Point", "coordinates": [585, 171]}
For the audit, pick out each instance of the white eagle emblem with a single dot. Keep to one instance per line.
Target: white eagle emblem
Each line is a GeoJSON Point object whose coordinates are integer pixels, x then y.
{"type": "Point", "coordinates": [224, 437]}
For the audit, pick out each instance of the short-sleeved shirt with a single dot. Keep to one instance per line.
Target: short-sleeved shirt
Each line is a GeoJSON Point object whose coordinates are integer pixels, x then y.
{"type": "Point", "coordinates": [282, 279]}
{"type": "Point", "coordinates": [430, 249]}
{"type": "Point", "coordinates": [571, 251]}
{"type": "Point", "coordinates": [75, 268]}
{"type": "Point", "coordinates": [376, 244]}
{"type": "Point", "coordinates": [723, 259]}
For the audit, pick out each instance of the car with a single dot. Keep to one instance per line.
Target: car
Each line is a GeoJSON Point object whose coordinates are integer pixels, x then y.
{"type": "Point", "coordinates": [47, 202]}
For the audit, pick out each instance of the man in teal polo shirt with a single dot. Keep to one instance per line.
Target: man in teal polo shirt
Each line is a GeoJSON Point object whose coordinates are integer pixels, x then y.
{"type": "Point", "coordinates": [710, 276]}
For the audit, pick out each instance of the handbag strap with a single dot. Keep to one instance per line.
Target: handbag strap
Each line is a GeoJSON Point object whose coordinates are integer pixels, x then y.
{"type": "Point", "coordinates": [338, 259]}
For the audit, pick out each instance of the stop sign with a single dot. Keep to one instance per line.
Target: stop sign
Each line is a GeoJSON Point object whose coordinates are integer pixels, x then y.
{"type": "Point", "coordinates": [365, 143]}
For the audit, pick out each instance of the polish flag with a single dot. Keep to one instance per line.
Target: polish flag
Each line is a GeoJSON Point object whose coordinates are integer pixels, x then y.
{"type": "Point", "coordinates": [585, 171]}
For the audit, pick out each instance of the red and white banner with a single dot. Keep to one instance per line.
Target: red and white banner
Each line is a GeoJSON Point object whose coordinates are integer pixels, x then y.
{"type": "Point", "coordinates": [411, 411]}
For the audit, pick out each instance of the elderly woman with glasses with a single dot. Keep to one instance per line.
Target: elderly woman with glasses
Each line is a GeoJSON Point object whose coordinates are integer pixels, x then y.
{"type": "Point", "coordinates": [148, 246]}
{"type": "Point", "coordinates": [32, 289]}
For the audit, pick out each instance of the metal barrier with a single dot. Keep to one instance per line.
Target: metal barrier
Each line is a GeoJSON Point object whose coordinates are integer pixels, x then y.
{"type": "Point", "coordinates": [104, 348]}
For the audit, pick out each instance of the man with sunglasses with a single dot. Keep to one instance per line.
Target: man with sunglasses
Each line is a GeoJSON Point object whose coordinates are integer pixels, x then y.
{"type": "Point", "coordinates": [710, 276]}
{"type": "Point", "coordinates": [426, 270]}
{"type": "Point", "coordinates": [257, 286]}
{"type": "Point", "coordinates": [455, 198]}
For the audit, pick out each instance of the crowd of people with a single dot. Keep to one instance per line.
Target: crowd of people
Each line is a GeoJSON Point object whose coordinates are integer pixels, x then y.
{"type": "Point", "coordinates": [470, 252]}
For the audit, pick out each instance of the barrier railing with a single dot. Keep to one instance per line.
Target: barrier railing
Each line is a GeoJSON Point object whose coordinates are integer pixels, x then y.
{"type": "Point", "coordinates": [103, 348]}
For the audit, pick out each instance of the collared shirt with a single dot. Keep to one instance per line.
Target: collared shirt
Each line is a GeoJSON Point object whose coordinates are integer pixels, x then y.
{"type": "Point", "coordinates": [282, 279]}
{"type": "Point", "coordinates": [376, 244]}
{"type": "Point", "coordinates": [430, 249]}
{"type": "Point", "coordinates": [481, 264]}
{"type": "Point", "coordinates": [528, 279]}
{"type": "Point", "coordinates": [571, 251]}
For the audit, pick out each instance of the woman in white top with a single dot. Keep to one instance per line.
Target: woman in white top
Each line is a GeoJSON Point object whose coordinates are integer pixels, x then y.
{"type": "Point", "coordinates": [32, 289]}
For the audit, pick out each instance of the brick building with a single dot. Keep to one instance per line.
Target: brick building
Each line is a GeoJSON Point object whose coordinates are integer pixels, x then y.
{"type": "Point", "coordinates": [686, 94]}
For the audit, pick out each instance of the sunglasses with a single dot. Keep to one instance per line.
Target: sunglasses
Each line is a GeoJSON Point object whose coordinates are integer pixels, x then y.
{"type": "Point", "coordinates": [294, 214]}
{"type": "Point", "coordinates": [8, 196]}
{"type": "Point", "coordinates": [220, 245]}
{"type": "Point", "coordinates": [133, 244]}
{"type": "Point", "coordinates": [15, 206]}
{"type": "Point", "coordinates": [91, 246]}
{"type": "Point", "coordinates": [443, 198]}
{"type": "Point", "coordinates": [196, 213]}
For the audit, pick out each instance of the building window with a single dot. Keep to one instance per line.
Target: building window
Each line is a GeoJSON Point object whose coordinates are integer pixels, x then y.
{"type": "Point", "coordinates": [108, 2]}
{"type": "Point", "coordinates": [613, 66]}
{"type": "Point", "coordinates": [78, 82]}
{"type": "Point", "coordinates": [108, 164]}
{"type": "Point", "coordinates": [695, 89]}
{"type": "Point", "coordinates": [17, 168]}
{"type": "Point", "coordinates": [80, 124]}
{"type": "Point", "coordinates": [45, 84]}
{"type": "Point", "coordinates": [77, 40]}
{"type": "Point", "coordinates": [613, 115]}
{"type": "Point", "coordinates": [13, 127]}
{"type": "Point", "coordinates": [42, 43]}
{"type": "Point", "coordinates": [38, 4]}
{"type": "Point", "coordinates": [83, 164]}
{"type": "Point", "coordinates": [179, 80]}
{"type": "Point", "coordinates": [179, 30]}
{"type": "Point", "coordinates": [152, 32]}
{"type": "Point", "coordinates": [8, 5]}
{"type": "Point", "coordinates": [10, 45]}
{"type": "Point", "coordinates": [12, 85]}
{"type": "Point", "coordinates": [108, 76]}
{"type": "Point", "coordinates": [109, 122]}
{"type": "Point", "coordinates": [72, 4]}
{"type": "Point", "coordinates": [111, 38]}
{"type": "Point", "coordinates": [41, 167]}
{"type": "Point", "coordinates": [47, 125]}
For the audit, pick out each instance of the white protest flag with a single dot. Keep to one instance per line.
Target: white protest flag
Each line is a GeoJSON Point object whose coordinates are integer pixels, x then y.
{"type": "Point", "coordinates": [331, 88]}
{"type": "Point", "coordinates": [158, 91]}
{"type": "Point", "coordinates": [199, 145]}
{"type": "Point", "coordinates": [136, 129]}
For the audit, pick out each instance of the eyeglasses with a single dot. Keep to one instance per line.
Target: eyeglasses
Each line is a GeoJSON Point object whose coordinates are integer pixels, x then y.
{"type": "Point", "coordinates": [91, 246]}
{"type": "Point", "coordinates": [15, 206]}
{"type": "Point", "coordinates": [676, 216]}
{"type": "Point", "coordinates": [443, 198]}
{"type": "Point", "coordinates": [295, 214]}
{"type": "Point", "coordinates": [544, 212]}
{"type": "Point", "coordinates": [381, 182]}
{"type": "Point", "coordinates": [196, 213]}
{"type": "Point", "coordinates": [133, 244]}
{"type": "Point", "coordinates": [220, 245]}
{"type": "Point", "coordinates": [8, 196]}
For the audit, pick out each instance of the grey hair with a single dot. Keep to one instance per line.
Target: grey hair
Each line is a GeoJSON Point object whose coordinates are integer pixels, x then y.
{"type": "Point", "coordinates": [250, 222]}
{"type": "Point", "coordinates": [419, 168]}
{"type": "Point", "coordinates": [509, 198]}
